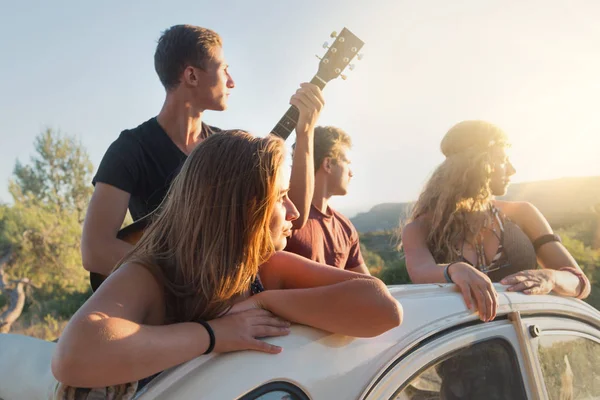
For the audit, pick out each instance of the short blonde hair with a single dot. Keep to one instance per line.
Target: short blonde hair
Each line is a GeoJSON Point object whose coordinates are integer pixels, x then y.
{"type": "Point", "coordinates": [329, 142]}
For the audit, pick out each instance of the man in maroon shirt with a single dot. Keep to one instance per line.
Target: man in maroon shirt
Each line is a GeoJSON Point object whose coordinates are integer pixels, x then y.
{"type": "Point", "coordinates": [329, 237]}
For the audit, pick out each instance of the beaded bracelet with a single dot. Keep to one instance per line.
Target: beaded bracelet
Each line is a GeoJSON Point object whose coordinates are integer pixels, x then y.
{"type": "Point", "coordinates": [211, 335]}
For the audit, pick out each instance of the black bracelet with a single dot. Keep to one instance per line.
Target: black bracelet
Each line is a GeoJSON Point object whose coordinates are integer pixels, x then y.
{"type": "Point", "coordinates": [211, 335]}
{"type": "Point", "coordinates": [446, 274]}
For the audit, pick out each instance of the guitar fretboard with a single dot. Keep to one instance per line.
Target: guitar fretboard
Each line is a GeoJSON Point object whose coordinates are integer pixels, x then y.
{"type": "Point", "coordinates": [287, 123]}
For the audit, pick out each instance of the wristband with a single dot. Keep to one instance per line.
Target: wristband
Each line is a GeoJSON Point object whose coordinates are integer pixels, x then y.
{"type": "Point", "coordinates": [211, 335]}
{"type": "Point", "coordinates": [542, 240]}
{"type": "Point", "coordinates": [446, 274]}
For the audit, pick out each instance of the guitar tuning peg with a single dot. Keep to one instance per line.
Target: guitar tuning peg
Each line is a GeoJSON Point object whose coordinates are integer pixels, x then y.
{"type": "Point", "coordinates": [344, 77]}
{"type": "Point", "coordinates": [351, 67]}
{"type": "Point", "coordinates": [359, 56]}
{"type": "Point", "coordinates": [333, 34]}
{"type": "Point", "coordinates": [323, 60]}
{"type": "Point", "coordinates": [325, 45]}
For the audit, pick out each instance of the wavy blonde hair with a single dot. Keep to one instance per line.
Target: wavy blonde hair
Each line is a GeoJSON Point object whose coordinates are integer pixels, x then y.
{"type": "Point", "coordinates": [211, 233]}
{"type": "Point", "coordinates": [459, 188]}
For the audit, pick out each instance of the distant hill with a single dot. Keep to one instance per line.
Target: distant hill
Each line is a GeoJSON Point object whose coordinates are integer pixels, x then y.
{"type": "Point", "coordinates": [563, 201]}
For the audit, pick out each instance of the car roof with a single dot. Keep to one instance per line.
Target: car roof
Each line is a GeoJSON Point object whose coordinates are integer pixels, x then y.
{"type": "Point", "coordinates": [323, 363]}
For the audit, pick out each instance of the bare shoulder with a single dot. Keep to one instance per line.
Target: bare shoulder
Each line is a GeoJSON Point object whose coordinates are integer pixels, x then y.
{"type": "Point", "coordinates": [518, 210]}
{"type": "Point", "coordinates": [505, 206]}
{"type": "Point", "coordinates": [280, 259]}
{"type": "Point", "coordinates": [416, 229]}
{"type": "Point", "coordinates": [132, 292]}
{"type": "Point", "coordinates": [526, 215]}
{"type": "Point", "coordinates": [132, 271]}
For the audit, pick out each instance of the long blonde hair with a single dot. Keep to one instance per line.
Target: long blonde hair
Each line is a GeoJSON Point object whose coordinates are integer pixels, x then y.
{"type": "Point", "coordinates": [459, 188]}
{"type": "Point", "coordinates": [211, 233]}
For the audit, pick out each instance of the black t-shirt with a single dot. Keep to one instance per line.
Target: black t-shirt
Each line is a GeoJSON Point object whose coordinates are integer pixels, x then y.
{"type": "Point", "coordinates": [143, 162]}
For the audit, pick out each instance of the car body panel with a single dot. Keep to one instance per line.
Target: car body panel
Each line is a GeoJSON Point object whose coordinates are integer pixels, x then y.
{"type": "Point", "coordinates": [327, 365]}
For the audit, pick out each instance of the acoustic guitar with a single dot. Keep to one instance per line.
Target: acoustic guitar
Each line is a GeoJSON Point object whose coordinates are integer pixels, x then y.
{"type": "Point", "coordinates": [338, 56]}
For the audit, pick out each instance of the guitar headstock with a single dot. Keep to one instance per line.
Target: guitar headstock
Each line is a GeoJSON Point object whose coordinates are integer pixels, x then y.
{"type": "Point", "coordinates": [338, 56]}
{"type": "Point", "coordinates": [345, 47]}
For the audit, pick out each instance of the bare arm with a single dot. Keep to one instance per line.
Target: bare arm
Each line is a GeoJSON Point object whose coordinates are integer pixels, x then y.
{"type": "Point", "coordinates": [309, 101]}
{"type": "Point", "coordinates": [117, 336]}
{"type": "Point", "coordinates": [361, 269]}
{"type": "Point", "coordinates": [476, 288]}
{"type": "Point", "coordinates": [551, 256]}
{"type": "Point", "coordinates": [106, 342]}
{"type": "Point", "coordinates": [420, 264]}
{"type": "Point", "coordinates": [303, 291]}
{"type": "Point", "coordinates": [361, 308]}
{"type": "Point", "coordinates": [100, 248]}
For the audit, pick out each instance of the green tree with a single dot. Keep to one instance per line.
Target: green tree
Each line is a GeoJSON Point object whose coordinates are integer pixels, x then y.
{"type": "Point", "coordinates": [373, 261]}
{"type": "Point", "coordinates": [42, 228]}
{"type": "Point", "coordinates": [383, 258]}
{"type": "Point", "coordinates": [58, 176]}
{"type": "Point", "coordinates": [589, 261]}
{"type": "Point", "coordinates": [395, 273]}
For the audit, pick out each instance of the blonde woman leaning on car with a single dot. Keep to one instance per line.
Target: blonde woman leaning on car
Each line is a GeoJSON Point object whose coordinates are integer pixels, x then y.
{"type": "Point", "coordinates": [458, 232]}
{"type": "Point", "coordinates": [207, 276]}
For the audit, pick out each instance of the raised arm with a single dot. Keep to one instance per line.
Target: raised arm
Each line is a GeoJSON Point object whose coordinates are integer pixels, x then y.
{"type": "Point", "coordinates": [476, 287]}
{"type": "Point", "coordinates": [302, 291]}
{"type": "Point", "coordinates": [560, 272]}
{"type": "Point", "coordinates": [117, 336]}
{"type": "Point", "coordinates": [100, 248]}
{"type": "Point", "coordinates": [309, 101]}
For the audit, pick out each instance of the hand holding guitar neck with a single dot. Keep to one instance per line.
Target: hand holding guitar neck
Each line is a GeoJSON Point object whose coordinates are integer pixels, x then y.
{"type": "Point", "coordinates": [336, 59]}
{"type": "Point", "coordinates": [309, 102]}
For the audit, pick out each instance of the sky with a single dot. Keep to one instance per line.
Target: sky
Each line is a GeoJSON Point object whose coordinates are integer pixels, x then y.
{"type": "Point", "coordinates": [531, 67]}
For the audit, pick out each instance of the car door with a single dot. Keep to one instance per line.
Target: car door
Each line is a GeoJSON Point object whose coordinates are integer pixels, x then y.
{"type": "Point", "coordinates": [567, 352]}
{"type": "Point", "coordinates": [473, 361]}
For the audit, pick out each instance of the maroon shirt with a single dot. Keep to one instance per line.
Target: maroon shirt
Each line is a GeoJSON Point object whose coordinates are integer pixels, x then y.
{"type": "Point", "coordinates": [328, 239]}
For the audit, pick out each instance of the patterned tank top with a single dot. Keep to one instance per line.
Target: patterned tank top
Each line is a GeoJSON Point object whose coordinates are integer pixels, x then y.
{"type": "Point", "coordinates": [515, 251]}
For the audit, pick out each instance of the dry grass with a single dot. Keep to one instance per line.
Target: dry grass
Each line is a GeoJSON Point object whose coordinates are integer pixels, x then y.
{"type": "Point", "coordinates": [47, 329]}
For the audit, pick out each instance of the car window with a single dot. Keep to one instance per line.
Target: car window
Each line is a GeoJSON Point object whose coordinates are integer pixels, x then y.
{"type": "Point", "coordinates": [570, 365]}
{"type": "Point", "coordinates": [277, 395]}
{"type": "Point", "coordinates": [276, 391]}
{"type": "Point", "coordinates": [486, 370]}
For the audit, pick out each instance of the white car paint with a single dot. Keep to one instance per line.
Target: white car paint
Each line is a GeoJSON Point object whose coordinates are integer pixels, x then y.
{"type": "Point", "coordinates": [329, 366]}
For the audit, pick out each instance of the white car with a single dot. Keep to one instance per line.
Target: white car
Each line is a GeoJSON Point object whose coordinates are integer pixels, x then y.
{"type": "Point", "coordinates": [538, 347]}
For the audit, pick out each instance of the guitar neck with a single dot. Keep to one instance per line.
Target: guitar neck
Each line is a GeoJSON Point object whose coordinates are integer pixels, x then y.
{"type": "Point", "coordinates": [287, 123]}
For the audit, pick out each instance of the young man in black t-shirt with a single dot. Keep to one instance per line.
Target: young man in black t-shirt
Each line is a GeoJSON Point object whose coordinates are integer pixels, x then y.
{"type": "Point", "coordinates": [138, 167]}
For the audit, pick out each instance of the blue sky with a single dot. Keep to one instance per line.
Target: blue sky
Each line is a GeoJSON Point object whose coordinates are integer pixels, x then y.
{"type": "Point", "coordinates": [86, 68]}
